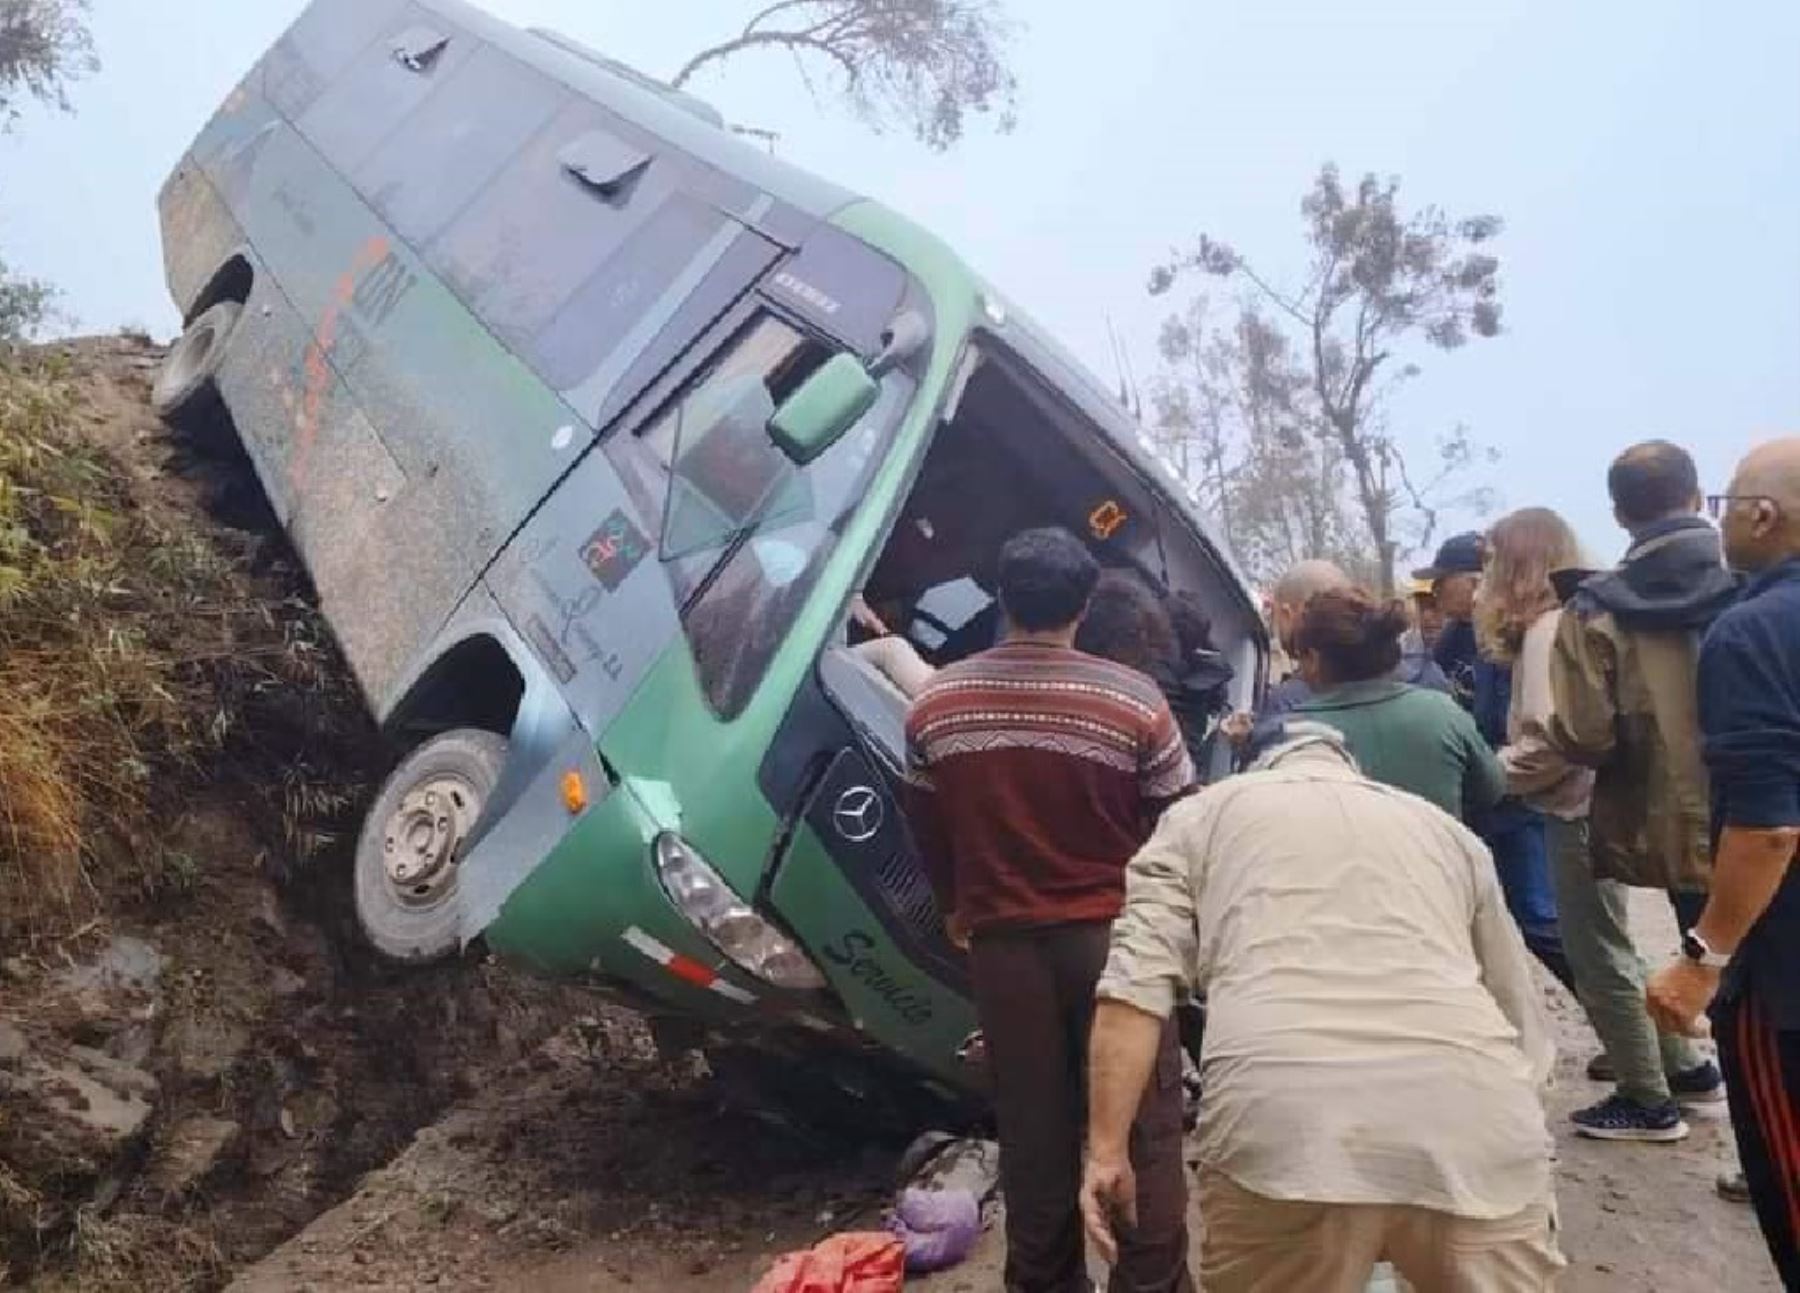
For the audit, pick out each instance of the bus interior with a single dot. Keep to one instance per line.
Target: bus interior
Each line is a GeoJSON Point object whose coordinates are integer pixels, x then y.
{"type": "Point", "coordinates": [1011, 456]}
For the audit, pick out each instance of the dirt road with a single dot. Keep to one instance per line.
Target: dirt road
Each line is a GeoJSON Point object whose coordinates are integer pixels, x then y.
{"type": "Point", "coordinates": [602, 1170]}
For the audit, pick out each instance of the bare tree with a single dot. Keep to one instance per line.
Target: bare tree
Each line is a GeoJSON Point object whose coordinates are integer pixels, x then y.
{"type": "Point", "coordinates": [1380, 280]}
{"type": "Point", "coordinates": [1233, 411]}
{"type": "Point", "coordinates": [1193, 410]}
{"type": "Point", "coordinates": [925, 63]}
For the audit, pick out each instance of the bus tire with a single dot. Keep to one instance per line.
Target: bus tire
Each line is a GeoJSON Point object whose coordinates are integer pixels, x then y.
{"type": "Point", "coordinates": [412, 843]}
{"type": "Point", "coordinates": [185, 394]}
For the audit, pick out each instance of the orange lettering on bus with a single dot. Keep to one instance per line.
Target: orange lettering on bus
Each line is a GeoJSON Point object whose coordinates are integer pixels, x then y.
{"type": "Point", "coordinates": [317, 365]}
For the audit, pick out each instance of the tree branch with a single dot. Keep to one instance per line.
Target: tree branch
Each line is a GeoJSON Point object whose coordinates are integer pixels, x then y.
{"type": "Point", "coordinates": [781, 5]}
{"type": "Point", "coordinates": [1322, 387]}
{"type": "Point", "coordinates": [1418, 498]}
{"type": "Point", "coordinates": [1290, 308]}
{"type": "Point", "coordinates": [1361, 374]}
{"type": "Point", "coordinates": [765, 39]}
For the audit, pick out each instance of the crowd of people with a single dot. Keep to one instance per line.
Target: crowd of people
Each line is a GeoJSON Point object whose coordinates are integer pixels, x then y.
{"type": "Point", "coordinates": [1433, 796]}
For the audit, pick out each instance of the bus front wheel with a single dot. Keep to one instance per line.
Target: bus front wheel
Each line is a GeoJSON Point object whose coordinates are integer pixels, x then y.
{"type": "Point", "coordinates": [413, 840]}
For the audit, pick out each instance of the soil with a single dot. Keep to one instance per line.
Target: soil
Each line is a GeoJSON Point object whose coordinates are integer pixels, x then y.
{"type": "Point", "coordinates": [283, 1112]}
{"type": "Point", "coordinates": [186, 1082]}
{"type": "Point", "coordinates": [603, 1171]}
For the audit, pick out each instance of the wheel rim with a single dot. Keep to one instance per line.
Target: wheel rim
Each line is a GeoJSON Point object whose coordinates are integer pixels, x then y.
{"type": "Point", "coordinates": [422, 839]}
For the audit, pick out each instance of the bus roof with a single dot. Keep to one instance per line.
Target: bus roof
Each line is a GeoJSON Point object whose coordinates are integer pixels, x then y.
{"type": "Point", "coordinates": [697, 129]}
{"type": "Point", "coordinates": [663, 111]}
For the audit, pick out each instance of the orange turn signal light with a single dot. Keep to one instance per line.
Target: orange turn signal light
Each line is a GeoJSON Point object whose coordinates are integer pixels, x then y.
{"type": "Point", "coordinates": [574, 792]}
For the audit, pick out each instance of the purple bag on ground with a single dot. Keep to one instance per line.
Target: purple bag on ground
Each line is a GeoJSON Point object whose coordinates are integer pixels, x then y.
{"type": "Point", "coordinates": [938, 1227]}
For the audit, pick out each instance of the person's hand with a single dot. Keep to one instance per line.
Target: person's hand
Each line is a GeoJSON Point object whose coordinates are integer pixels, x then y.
{"type": "Point", "coordinates": [864, 617]}
{"type": "Point", "coordinates": [1108, 1202]}
{"type": "Point", "coordinates": [1237, 728]}
{"type": "Point", "coordinates": [958, 931]}
{"type": "Point", "coordinates": [1678, 995]}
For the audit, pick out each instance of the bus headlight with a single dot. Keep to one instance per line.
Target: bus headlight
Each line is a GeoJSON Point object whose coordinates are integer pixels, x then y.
{"type": "Point", "coordinates": [729, 923]}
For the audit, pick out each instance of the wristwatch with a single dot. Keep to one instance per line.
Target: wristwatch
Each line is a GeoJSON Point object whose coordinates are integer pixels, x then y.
{"type": "Point", "coordinates": [1695, 949]}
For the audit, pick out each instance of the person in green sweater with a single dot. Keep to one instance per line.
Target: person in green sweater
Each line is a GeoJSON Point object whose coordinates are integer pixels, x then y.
{"type": "Point", "coordinates": [1407, 737]}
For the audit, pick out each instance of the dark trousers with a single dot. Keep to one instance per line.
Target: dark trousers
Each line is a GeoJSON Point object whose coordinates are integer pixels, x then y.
{"type": "Point", "coordinates": [1516, 837]}
{"type": "Point", "coordinates": [1762, 1077]}
{"type": "Point", "coordinates": [1034, 990]}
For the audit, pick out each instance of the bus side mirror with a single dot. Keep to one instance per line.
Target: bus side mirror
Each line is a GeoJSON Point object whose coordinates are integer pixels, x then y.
{"type": "Point", "coordinates": [827, 405]}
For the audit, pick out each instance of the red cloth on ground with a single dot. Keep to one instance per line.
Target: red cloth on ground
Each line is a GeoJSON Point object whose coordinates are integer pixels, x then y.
{"type": "Point", "coordinates": [854, 1263]}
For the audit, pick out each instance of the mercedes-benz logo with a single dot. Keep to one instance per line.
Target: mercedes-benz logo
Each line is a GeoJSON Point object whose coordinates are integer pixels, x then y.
{"type": "Point", "coordinates": [858, 814]}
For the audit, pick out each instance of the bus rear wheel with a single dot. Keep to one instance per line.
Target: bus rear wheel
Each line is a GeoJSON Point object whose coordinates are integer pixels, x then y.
{"type": "Point", "coordinates": [413, 840]}
{"type": "Point", "coordinates": [185, 395]}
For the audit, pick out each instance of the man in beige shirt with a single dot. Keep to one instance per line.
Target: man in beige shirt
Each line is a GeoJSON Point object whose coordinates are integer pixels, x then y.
{"type": "Point", "coordinates": [1375, 1047]}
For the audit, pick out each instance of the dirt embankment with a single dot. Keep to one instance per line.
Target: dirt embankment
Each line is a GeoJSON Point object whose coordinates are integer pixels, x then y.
{"type": "Point", "coordinates": [196, 1057]}
{"type": "Point", "coordinates": [593, 1168]}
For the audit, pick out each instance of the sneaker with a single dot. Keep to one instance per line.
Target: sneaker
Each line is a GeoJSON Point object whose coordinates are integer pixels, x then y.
{"type": "Point", "coordinates": [1733, 1186]}
{"type": "Point", "coordinates": [1600, 1069]}
{"type": "Point", "coordinates": [1616, 1118]}
{"type": "Point", "coordinates": [1701, 1085]}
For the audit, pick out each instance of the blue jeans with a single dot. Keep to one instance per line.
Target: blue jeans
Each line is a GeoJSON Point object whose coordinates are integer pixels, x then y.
{"type": "Point", "coordinates": [1515, 836]}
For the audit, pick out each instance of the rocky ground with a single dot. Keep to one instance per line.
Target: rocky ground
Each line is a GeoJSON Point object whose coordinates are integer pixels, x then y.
{"type": "Point", "coordinates": [598, 1170]}
{"type": "Point", "coordinates": [206, 1082]}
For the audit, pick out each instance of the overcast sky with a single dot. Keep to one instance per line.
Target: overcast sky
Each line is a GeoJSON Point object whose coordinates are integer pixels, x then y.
{"type": "Point", "coordinates": [1645, 155]}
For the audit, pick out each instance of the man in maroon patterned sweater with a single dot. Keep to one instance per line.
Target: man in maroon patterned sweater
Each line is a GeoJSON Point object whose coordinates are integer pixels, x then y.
{"type": "Point", "coordinates": [1034, 774]}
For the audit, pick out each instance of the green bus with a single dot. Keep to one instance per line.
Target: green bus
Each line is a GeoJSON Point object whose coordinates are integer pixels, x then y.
{"type": "Point", "coordinates": [591, 423]}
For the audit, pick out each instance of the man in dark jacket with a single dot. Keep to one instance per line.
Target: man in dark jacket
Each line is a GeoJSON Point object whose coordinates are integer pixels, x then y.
{"type": "Point", "coordinates": [1454, 575]}
{"type": "Point", "coordinates": [1197, 681]}
{"type": "Point", "coordinates": [1750, 719]}
{"type": "Point", "coordinates": [1623, 674]}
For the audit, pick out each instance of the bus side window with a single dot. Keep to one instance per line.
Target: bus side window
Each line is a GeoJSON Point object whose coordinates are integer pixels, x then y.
{"type": "Point", "coordinates": [377, 92]}
{"type": "Point", "coordinates": [529, 242]}
{"type": "Point", "coordinates": [323, 41]}
{"type": "Point", "coordinates": [624, 293]}
{"type": "Point", "coordinates": [477, 118]}
{"type": "Point", "coordinates": [578, 271]}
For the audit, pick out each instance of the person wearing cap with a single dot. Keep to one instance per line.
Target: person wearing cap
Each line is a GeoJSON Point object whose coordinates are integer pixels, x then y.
{"type": "Point", "coordinates": [1428, 621]}
{"type": "Point", "coordinates": [1287, 604]}
{"type": "Point", "coordinates": [1513, 832]}
{"type": "Point", "coordinates": [1454, 575]}
{"type": "Point", "coordinates": [1376, 1050]}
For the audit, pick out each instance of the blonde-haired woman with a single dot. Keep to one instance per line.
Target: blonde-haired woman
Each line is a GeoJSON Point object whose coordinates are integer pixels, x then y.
{"type": "Point", "coordinates": [1516, 617]}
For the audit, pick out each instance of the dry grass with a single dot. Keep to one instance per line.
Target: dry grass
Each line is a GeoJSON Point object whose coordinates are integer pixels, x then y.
{"type": "Point", "coordinates": [136, 1253]}
{"type": "Point", "coordinates": [139, 663]}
